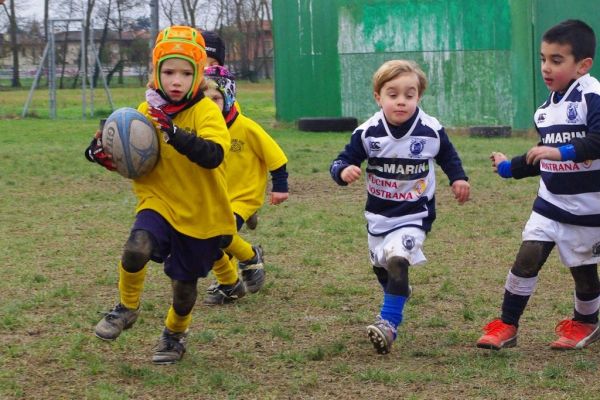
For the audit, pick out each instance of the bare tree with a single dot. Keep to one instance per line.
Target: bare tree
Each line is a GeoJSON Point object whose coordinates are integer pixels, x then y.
{"type": "Point", "coordinates": [140, 58]}
{"type": "Point", "coordinates": [86, 32]}
{"type": "Point", "coordinates": [242, 25]}
{"type": "Point", "coordinates": [170, 10]}
{"type": "Point", "coordinates": [262, 13]}
{"type": "Point", "coordinates": [121, 5]}
{"type": "Point", "coordinates": [106, 16]}
{"type": "Point", "coordinates": [68, 9]}
{"type": "Point", "coordinates": [196, 13]}
{"type": "Point", "coordinates": [123, 8]}
{"type": "Point", "coordinates": [12, 19]}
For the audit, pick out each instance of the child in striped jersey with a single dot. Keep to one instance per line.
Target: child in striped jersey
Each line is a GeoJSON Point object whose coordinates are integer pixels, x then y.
{"type": "Point", "coordinates": [566, 212]}
{"type": "Point", "coordinates": [253, 152]}
{"type": "Point", "coordinates": [400, 143]}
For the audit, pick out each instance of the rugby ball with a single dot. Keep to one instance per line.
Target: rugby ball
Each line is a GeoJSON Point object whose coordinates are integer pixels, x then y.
{"type": "Point", "coordinates": [130, 138]}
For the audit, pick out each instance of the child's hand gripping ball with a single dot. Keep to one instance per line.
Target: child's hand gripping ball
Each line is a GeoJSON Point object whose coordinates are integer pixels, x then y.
{"type": "Point", "coordinates": [130, 139]}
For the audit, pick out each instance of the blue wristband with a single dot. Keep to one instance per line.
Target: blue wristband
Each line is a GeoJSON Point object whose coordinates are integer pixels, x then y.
{"type": "Point", "coordinates": [504, 169]}
{"type": "Point", "coordinates": [567, 152]}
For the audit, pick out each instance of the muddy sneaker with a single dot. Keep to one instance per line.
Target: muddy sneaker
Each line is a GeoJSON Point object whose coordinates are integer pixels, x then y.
{"type": "Point", "coordinates": [252, 221]}
{"type": "Point", "coordinates": [574, 335]}
{"type": "Point", "coordinates": [220, 294]}
{"type": "Point", "coordinates": [498, 335]}
{"type": "Point", "coordinates": [115, 321]}
{"type": "Point", "coordinates": [170, 347]}
{"type": "Point", "coordinates": [382, 334]}
{"type": "Point", "coordinates": [253, 271]}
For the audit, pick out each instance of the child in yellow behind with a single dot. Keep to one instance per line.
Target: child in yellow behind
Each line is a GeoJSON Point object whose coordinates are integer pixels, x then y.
{"type": "Point", "coordinates": [187, 185]}
{"type": "Point", "coordinates": [253, 152]}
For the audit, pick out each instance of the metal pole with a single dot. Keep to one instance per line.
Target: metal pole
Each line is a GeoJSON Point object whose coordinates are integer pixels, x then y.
{"type": "Point", "coordinates": [106, 89]}
{"type": "Point", "coordinates": [153, 31]}
{"type": "Point", "coordinates": [82, 68]}
{"type": "Point", "coordinates": [91, 64]}
{"type": "Point", "coordinates": [52, 73]}
{"type": "Point", "coordinates": [35, 81]}
{"type": "Point", "coordinates": [153, 22]}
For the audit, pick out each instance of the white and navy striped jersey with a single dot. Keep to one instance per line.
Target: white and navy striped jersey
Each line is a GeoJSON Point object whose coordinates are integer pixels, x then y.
{"type": "Point", "coordinates": [400, 174]}
{"type": "Point", "coordinates": [570, 191]}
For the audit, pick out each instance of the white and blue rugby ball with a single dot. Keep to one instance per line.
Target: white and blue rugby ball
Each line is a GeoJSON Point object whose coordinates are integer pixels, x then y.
{"type": "Point", "coordinates": [130, 138]}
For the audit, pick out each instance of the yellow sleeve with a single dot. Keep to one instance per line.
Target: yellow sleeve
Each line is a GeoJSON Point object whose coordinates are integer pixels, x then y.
{"type": "Point", "coordinates": [265, 147]}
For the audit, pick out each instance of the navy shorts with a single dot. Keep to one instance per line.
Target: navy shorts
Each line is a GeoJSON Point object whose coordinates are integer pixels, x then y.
{"type": "Point", "coordinates": [185, 258]}
{"type": "Point", "coordinates": [239, 221]}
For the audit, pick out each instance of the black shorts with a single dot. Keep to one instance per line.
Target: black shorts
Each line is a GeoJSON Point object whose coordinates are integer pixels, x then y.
{"type": "Point", "coordinates": [185, 258]}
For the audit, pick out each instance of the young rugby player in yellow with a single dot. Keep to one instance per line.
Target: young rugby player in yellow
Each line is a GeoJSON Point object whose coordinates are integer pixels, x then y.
{"type": "Point", "coordinates": [183, 208]}
{"type": "Point", "coordinates": [253, 152]}
{"type": "Point", "coordinates": [215, 56]}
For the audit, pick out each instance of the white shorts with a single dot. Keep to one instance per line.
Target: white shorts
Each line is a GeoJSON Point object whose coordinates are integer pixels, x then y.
{"type": "Point", "coordinates": [577, 245]}
{"type": "Point", "coordinates": [404, 242]}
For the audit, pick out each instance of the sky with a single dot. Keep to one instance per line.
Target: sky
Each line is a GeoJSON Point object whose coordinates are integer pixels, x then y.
{"type": "Point", "coordinates": [32, 8]}
{"type": "Point", "coordinates": [35, 8]}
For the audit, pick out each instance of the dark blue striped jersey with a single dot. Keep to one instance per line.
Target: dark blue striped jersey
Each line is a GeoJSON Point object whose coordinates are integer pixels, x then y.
{"type": "Point", "coordinates": [400, 174]}
{"type": "Point", "coordinates": [570, 191]}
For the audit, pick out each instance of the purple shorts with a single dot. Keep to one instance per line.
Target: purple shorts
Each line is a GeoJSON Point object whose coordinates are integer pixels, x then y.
{"type": "Point", "coordinates": [185, 258]}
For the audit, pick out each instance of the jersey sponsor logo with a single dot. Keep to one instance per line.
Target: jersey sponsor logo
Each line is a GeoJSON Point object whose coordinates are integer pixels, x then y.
{"type": "Point", "coordinates": [416, 147]}
{"type": "Point", "coordinates": [387, 195]}
{"type": "Point", "coordinates": [561, 137]}
{"type": "Point", "coordinates": [384, 183]}
{"type": "Point", "coordinates": [375, 146]}
{"type": "Point", "coordinates": [541, 118]}
{"type": "Point", "coordinates": [559, 166]}
{"type": "Point", "coordinates": [572, 113]}
{"type": "Point", "coordinates": [420, 186]}
{"type": "Point", "coordinates": [408, 242]}
{"type": "Point", "coordinates": [236, 145]}
{"type": "Point", "coordinates": [390, 189]}
{"type": "Point", "coordinates": [401, 169]}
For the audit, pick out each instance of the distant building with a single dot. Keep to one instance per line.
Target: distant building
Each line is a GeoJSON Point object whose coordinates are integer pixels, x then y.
{"type": "Point", "coordinates": [251, 58]}
{"type": "Point", "coordinates": [68, 48]}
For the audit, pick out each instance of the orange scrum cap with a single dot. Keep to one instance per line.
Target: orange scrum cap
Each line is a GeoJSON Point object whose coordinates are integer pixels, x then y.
{"type": "Point", "coordinates": [180, 42]}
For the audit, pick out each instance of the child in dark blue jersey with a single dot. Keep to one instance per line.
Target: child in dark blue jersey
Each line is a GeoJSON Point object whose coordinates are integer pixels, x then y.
{"type": "Point", "coordinates": [566, 212]}
{"type": "Point", "coordinates": [400, 143]}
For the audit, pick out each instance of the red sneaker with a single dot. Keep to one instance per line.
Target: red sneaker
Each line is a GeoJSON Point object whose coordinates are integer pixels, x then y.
{"type": "Point", "coordinates": [575, 335]}
{"type": "Point", "coordinates": [498, 335]}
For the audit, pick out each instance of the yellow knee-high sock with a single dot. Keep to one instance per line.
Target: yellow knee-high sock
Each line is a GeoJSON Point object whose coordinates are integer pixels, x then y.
{"type": "Point", "coordinates": [225, 271]}
{"type": "Point", "coordinates": [240, 249]}
{"type": "Point", "coordinates": [131, 286]}
{"type": "Point", "coordinates": [176, 323]}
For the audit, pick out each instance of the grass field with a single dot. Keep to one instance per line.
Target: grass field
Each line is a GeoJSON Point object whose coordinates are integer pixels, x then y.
{"type": "Point", "coordinates": [63, 222]}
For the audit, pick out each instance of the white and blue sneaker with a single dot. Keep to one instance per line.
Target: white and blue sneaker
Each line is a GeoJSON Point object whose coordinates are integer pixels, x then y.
{"type": "Point", "coordinates": [382, 334]}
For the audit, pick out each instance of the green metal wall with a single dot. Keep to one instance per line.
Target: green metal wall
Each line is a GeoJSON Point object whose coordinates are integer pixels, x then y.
{"type": "Point", "coordinates": [548, 13]}
{"type": "Point", "coordinates": [306, 60]}
{"type": "Point", "coordinates": [481, 56]}
{"type": "Point", "coordinates": [466, 61]}
{"type": "Point", "coordinates": [522, 66]}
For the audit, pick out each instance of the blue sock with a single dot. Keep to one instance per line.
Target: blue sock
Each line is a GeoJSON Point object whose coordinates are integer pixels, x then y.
{"type": "Point", "coordinates": [392, 308]}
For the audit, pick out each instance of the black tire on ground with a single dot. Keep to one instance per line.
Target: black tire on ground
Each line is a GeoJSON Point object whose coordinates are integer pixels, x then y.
{"type": "Point", "coordinates": [327, 124]}
{"type": "Point", "coordinates": [490, 131]}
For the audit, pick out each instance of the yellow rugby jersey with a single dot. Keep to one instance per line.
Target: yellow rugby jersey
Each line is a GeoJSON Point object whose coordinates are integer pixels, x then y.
{"type": "Point", "coordinates": [193, 199]}
{"type": "Point", "coordinates": [253, 153]}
